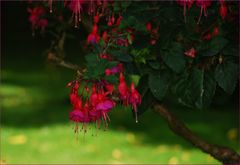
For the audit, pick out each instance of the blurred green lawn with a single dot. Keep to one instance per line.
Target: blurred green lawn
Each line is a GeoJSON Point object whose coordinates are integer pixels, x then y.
{"type": "Point", "coordinates": [36, 129]}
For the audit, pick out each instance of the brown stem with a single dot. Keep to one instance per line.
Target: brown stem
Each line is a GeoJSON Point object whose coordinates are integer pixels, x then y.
{"type": "Point", "coordinates": [223, 154]}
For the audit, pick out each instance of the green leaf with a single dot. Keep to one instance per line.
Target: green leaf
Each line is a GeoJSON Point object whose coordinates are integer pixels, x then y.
{"type": "Point", "coordinates": [154, 64]}
{"type": "Point", "coordinates": [226, 75]}
{"type": "Point", "coordinates": [196, 89]}
{"type": "Point", "coordinates": [213, 47]}
{"type": "Point", "coordinates": [91, 58]}
{"type": "Point", "coordinates": [111, 79]}
{"type": "Point", "coordinates": [143, 85]}
{"type": "Point", "coordinates": [147, 101]}
{"type": "Point", "coordinates": [121, 55]}
{"type": "Point", "coordinates": [158, 83]}
{"type": "Point", "coordinates": [174, 58]}
{"type": "Point", "coordinates": [208, 88]}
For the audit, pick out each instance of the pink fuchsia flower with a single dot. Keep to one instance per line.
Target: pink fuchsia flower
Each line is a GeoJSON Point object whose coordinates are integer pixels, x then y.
{"type": "Point", "coordinates": [134, 99]}
{"type": "Point", "coordinates": [191, 53]}
{"type": "Point", "coordinates": [105, 105]}
{"type": "Point", "coordinates": [203, 4]}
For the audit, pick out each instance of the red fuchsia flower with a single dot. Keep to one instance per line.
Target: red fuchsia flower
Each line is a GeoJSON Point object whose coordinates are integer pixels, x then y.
{"type": "Point", "coordinates": [105, 36]}
{"type": "Point", "coordinates": [36, 19]}
{"type": "Point", "coordinates": [203, 4]}
{"type": "Point", "coordinates": [118, 20]}
{"type": "Point", "coordinates": [149, 27]}
{"type": "Point", "coordinates": [96, 19]}
{"type": "Point", "coordinates": [223, 10]}
{"type": "Point", "coordinates": [207, 36]}
{"type": "Point", "coordinates": [123, 89]}
{"type": "Point", "coordinates": [93, 37]}
{"type": "Point", "coordinates": [108, 72]}
{"type": "Point", "coordinates": [109, 88]}
{"type": "Point", "coordinates": [185, 4]}
{"type": "Point", "coordinates": [134, 99]}
{"type": "Point", "coordinates": [191, 53]}
{"type": "Point", "coordinates": [106, 56]}
{"type": "Point", "coordinates": [215, 31]}
{"type": "Point", "coordinates": [94, 96]}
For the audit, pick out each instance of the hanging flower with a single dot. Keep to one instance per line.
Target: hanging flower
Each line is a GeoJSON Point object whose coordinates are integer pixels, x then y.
{"type": "Point", "coordinates": [185, 4]}
{"type": "Point", "coordinates": [223, 10]}
{"type": "Point", "coordinates": [134, 99]}
{"type": "Point", "coordinates": [123, 89]}
{"type": "Point", "coordinates": [203, 4]}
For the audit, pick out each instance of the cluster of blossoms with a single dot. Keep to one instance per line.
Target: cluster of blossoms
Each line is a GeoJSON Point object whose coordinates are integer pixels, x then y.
{"type": "Point", "coordinates": [203, 5]}
{"type": "Point", "coordinates": [94, 108]}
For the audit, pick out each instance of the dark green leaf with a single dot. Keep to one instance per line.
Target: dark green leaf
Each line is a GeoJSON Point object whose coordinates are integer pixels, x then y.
{"type": "Point", "coordinates": [196, 89]}
{"type": "Point", "coordinates": [226, 75]}
{"type": "Point", "coordinates": [158, 83]}
{"type": "Point", "coordinates": [143, 85]}
{"type": "Point", "coordinates": [208, 90]}
{"type": "Point", "coordinates": [147, 102]}
{"type": "Point", "coordinates": [213, 47]}
{"type": "Point", "coordinates": [174, 57]}
{"type": "Point", "coordinates": [121, 55]}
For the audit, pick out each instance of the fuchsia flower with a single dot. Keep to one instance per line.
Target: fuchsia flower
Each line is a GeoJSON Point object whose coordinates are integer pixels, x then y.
{"type": "Point", "coordinates": [36, 19]}
{"type": "Point", "coordinates": [185, 4]}
{"type": "Point", "coordinates": [191, 53]}
{"type": "Point", "coordinates": [93, 37]}
{"type": "Point", "coordinates": [123, 89]}
{"type": "Point", "coordinates": [149, 27]}
{"type": "Point", "coordinates": [134, 99]}
{"type": "Point", "coordinates": [223, 10]}
{"type": "Point", "coordinates": [203, 4]}
{"type": "Point", "coordinates": [75, 6]}
{"type": "Point", "coordinates": [114, 70]}
{"type": "Point", "coordinates": [215, 31]}
{"type": "Point", "coordinates": [207, 36]}
{"type": "Point", "coordinates": [105, 36]}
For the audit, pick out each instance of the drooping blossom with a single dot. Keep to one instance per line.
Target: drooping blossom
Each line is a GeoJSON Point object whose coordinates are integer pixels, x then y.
{"type": "Point", "coordinates": [186, 4]}
{"type": "Point", "coordinates": [36, 17]}
{"type": "Point", "coordinates": [134, 99]}
{"type": "Point", "coordinates": [123, 89]}
{"type": "Point", "coordinates": [75, 6]}
{"type": "Point", "coordinates": [223, 10]}
{"type": "Point", "coordinates": [93, 37]}
{"type": "Point", "coordinates": [203, 4]}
